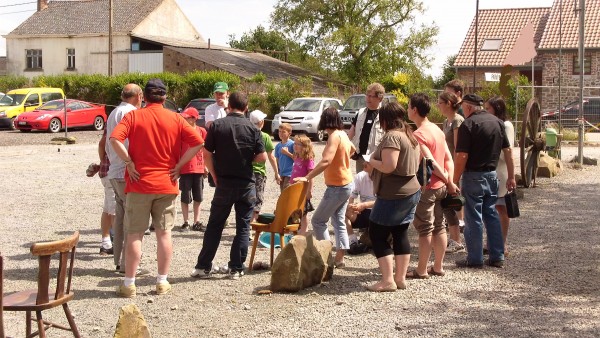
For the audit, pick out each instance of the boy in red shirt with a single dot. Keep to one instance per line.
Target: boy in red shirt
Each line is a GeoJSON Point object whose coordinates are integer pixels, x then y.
{"type": "Point", "coordinates": [191, 182]}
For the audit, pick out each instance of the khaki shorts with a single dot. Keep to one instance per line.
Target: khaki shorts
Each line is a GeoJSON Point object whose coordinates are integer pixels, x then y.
{"type": "Point", "coordinates": [139, 208]}
{"type": "Point", "coordinates": [429, 216]}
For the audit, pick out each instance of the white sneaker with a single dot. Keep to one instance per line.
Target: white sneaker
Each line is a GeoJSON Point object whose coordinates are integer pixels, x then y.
{"type": "Point", "coordinates": [202, 274]}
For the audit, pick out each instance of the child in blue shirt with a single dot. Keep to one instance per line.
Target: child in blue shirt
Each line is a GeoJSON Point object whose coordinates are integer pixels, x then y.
{"type": "Point", "coordinates": [284, 153]}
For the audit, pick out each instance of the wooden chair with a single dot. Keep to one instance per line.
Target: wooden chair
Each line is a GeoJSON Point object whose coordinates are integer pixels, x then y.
{"type": "Point", "coordinates": [291, 199]}
{"type": "Point", "coordinates": [39, 300]}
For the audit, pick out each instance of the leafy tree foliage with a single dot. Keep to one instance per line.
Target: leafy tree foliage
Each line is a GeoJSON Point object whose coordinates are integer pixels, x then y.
{"type": "Point", "coordinates": [448, 72]}
{"type": "Point", "coordinates": [362, 39]}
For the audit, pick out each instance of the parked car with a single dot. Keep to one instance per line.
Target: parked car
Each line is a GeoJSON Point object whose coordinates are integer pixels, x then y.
{"type": "Point", "coordinates": [200, 105]}
{"type": "Point", "coordinates": [22, 100]}
{"type": "Point", "coordinates": [51, 116]}
{"type": "Point", "coordinates": [569, 113]}
{"type": "Point", "coordinates": [304, 114]}
{"type": "Point", "coordinates": [356, 102]}
{"type": "Point", "coordinates": [169, 104]}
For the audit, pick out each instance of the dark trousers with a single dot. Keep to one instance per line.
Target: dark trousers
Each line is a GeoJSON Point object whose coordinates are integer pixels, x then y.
{"type": "Point", "coordinates": [243, 200]}
{"type": "Point", "coordinates": [380, 235]}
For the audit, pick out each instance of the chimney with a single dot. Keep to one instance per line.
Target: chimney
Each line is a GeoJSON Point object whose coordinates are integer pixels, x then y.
{"type": "Point", "coordinates": [208, 43]}
{"type": "Point", "coordinates": [42, 4]}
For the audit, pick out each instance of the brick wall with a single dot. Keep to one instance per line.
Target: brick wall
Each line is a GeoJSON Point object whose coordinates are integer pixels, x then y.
{"type": "Point", "coordinates": [176, 62]}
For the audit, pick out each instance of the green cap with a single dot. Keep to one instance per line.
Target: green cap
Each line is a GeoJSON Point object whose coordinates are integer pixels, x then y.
{"type": "Point", "coordinates": [221, 87]}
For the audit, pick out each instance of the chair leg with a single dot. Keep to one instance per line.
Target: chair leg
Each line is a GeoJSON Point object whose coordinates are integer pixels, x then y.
{"type": "Point", "coordinates": [71, 321]}
{"type": "Point", "coordinates": [27, 323]}
{"type": "Point", "coordinates": [254, 245]}
{"type": "Point", "coordinates": [40, 322]}
{"type": "Point", "coordinates": [272, 248]}
{"type": "Point", "coordinates": [282, 240]}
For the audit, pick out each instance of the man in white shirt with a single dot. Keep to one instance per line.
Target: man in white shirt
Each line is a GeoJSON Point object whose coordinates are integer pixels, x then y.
{"type": "Point", "coordinates": [131, 97]}
{"type": "Point", "coordinates": [218, 109]}
{"type": "Point", "coordinates": [358, 212]}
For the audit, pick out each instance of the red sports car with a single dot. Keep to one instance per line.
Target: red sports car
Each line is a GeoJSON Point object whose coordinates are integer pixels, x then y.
{"type": "Point", "coordinates": [51, 116]}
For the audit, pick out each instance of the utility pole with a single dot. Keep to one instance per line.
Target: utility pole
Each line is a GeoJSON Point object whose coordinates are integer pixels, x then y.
{"type": "Point", "coordinates": [110, 42]}
{"type": "Point", "coordinates": [581, 74]}
{"type": "Point", "coordinates": [475, 47]}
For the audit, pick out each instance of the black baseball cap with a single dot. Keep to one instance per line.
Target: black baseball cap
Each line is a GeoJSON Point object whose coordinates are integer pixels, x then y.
{"type": "Point", "coordinates": [155, 86]}
{"type": "Point", "coordinates": [473, 99]}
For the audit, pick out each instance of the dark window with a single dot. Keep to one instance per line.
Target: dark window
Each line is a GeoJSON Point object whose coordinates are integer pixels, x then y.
{"type": "Point", "coordinates": [33, 58]}
{"type": "Point", "coordinates": [51, 96]}
{"type": "Point", "coordinates": [33, 100]}
{"type": "Point", "coordinates": [587, 64]}
{"type": "Point", "coordinates": [70, 58]}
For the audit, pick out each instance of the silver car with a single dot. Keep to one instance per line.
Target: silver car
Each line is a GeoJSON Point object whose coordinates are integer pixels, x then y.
{"type": "Point", "coordinates": [304, 114]}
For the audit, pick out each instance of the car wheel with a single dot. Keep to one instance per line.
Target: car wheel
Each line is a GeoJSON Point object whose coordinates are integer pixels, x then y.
{"type": "Point", "coordinates": [98, 123]}
{"type": "Point", "coordinates": [12, 123]}
{"type": "Point", "coordinates": [321, 135]}
{"type": "Point", "coordinates": [55, 125]}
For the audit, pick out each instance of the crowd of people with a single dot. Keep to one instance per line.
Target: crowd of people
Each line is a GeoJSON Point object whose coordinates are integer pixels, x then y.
{"type": "Point", "coordinates": [151, 155]}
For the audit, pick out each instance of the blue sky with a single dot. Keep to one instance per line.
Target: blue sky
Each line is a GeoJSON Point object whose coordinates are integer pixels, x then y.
{"type": "Point", "coordinates": [218, 19]}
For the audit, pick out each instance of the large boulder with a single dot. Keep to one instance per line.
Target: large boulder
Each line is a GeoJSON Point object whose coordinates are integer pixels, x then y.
{"type": "Point", "coordinates": [131, 323]}
{"type": "Point", "coordinates": [548, 166]}
{"type": "Point", "coordinates": [302, 263]}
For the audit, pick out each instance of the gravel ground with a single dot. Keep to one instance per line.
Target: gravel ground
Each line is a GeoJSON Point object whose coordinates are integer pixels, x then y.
{"type": "Point", "coordinates": [549, 286]}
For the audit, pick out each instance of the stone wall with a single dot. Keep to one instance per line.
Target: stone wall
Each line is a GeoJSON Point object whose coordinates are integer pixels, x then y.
{"type": "Point", "coordinates": [2, 65]}
{"type": "Point", "coordinates": [570, 83]}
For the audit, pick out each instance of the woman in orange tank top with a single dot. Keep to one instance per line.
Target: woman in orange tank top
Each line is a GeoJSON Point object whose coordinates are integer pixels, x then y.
{"type": "Point", "coordinates": [338, 177]}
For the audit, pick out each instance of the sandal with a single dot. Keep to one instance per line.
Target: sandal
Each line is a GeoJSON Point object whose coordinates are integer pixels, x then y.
{"type": "Point", "coordinates": [432, 272]}
{"type": "Point", "coordinates": [414, 275]}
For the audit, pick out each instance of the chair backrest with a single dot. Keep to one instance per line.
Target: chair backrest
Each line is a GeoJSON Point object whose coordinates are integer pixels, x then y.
{"type": "Point", "coordinates": [291, 199]}
{"type": "Point", "coordinates": [1, 296]}
{"type": "Point", "coordinates": [66, 250]}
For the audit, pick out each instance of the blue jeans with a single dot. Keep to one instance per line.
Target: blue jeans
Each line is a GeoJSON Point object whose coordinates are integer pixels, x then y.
{"type": "Point", "coordinates": [480, 190]}
{"type": "Point", "coordinates": [333, 205]}
{"type": "Point", "coordinates": [243, 199]}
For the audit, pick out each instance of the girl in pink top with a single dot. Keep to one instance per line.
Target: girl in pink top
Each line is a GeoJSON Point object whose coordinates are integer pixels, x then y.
{"type": "Point", "coordinates": [304, 162]}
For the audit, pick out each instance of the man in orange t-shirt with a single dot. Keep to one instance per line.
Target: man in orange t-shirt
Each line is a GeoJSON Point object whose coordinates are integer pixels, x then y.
{"type": "Point", "coordinates": [153, 162]}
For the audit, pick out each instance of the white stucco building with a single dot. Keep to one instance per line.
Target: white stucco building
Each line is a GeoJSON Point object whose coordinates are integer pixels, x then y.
{"type": "Point", "coordinates": [72, 37]}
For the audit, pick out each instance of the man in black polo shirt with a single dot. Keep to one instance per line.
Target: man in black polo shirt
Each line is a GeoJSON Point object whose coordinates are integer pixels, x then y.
{"type": "Point", "coordinates": [481, 137]}
{"type": "Point", "coordinates": [231, 145]}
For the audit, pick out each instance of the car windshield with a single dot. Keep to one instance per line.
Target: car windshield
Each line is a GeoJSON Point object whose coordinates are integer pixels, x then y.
{"type": "Point", "coordinates": [52, 105]}
{"type": "Point", "coordinates": [303, 105]}
{"type": "Point", "coordinates": [12, 100]}
{"type": "Point", "coordinates": [355, 102]}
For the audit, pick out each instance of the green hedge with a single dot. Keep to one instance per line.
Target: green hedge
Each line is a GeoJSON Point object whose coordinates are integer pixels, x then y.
{"type": "Point", "coordinates": [107, 89]}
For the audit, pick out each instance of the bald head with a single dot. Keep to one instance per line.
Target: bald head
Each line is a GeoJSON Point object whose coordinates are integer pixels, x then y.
{"type": "Point", "coordinates": [132, 94]}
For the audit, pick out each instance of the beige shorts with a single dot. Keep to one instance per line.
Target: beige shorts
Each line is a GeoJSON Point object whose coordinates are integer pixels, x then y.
{"type": "Point", "coordinates": [139, 208]}
{"type": "Point", "coordinates": [109, 197]}
{"type": "Point", "coordinates": [429, 216]}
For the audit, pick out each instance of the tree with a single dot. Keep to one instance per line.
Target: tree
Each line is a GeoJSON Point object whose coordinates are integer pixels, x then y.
{"type": "Point", "coordinates": [270, 40]}
{"type": "Point", "coordinates": [362, 39]}
{"type": "Point", "coordinates": [448, 72]}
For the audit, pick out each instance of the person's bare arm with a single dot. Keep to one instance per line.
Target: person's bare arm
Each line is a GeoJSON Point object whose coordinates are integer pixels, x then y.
{"type": "Point", "coordinates": [262, 157]}
{"type": "Point", "coordinates": [208, 164]}
{"type": "Point", "coordinates": [511, 183]}
{"type": "Point", "coordinates": [274, 165]}
{"type": "Point", "coordinates": [388, 162]}
{"type": "Point", "coordinates": [286, 152]}
{"type": "Point", "coordinates": [460, 162]}
{"type": "Point", "coordinates": [102, 147]}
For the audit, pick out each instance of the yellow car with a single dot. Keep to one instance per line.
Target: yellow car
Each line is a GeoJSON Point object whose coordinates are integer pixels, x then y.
{"type": "Point", "coordinates": [22, 100]}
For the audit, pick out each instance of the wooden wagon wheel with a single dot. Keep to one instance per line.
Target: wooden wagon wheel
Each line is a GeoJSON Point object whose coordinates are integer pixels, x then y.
{"type": "Point", "coordinates": [531, 142]}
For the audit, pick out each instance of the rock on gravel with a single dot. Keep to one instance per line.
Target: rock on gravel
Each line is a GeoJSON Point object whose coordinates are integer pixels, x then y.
{"type": "Point", "coordinates": [549, 286]}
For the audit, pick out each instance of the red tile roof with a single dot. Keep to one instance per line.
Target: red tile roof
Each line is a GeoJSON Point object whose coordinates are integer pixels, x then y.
{"type": "Point", "coordinates": [505, 24]}
{"type": "Point", "coordinates": [570, 26]}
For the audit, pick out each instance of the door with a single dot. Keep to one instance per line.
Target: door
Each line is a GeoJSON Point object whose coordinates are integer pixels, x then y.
{"type": "Point", "coordinates": [32, 102]}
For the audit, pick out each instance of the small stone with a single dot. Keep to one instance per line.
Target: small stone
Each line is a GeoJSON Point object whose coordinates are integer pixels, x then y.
{"type": "Point", "coordinates": [150, 300]}
{"type": "Point", "coordinates": [339, 302]}
{"type": "Point", "coordinates": [174, 307]}
{"type": "Point", "coordinates": [96, 329]}
{"type": "Point", "coordinates": [247, 307]}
